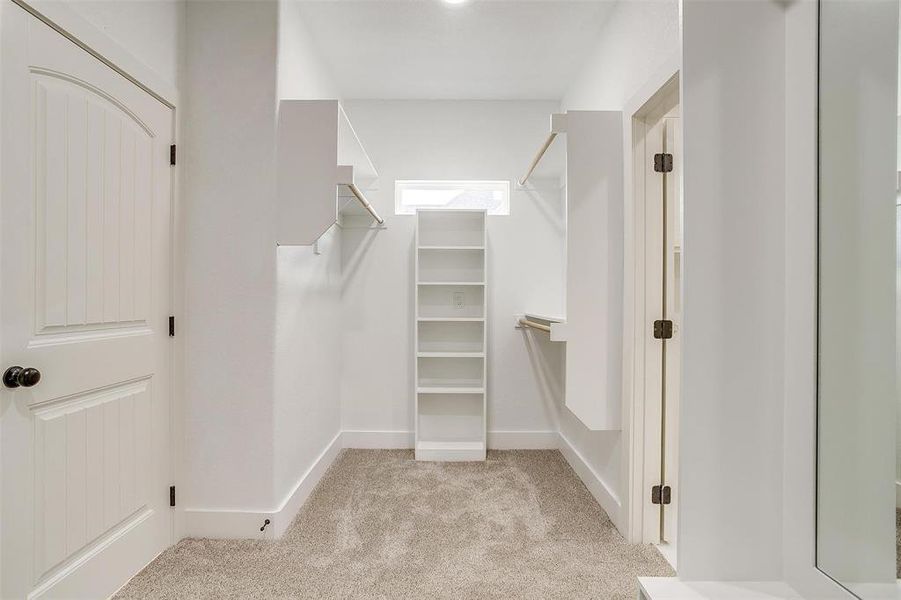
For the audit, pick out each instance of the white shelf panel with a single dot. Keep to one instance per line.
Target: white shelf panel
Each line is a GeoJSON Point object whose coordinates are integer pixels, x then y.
{"type": "Point", "coordinates": [451, 248]}
{"type": "Point", "coordinates": [440, 445]}
{"type": "Point", "coordinates": [318, 154]}
{"type": "Point", "coordinates": [548, 319]}
{"type": "Point", "coordinates": [454, 283]}
{"type": "Point", "coordinates": [436, 389]}
{"type": "Point", "coordinates": [451, 355]}
{"type": "Point", "coordinates": [450, 451]}
{"type": "Point", "coordinates": [451, 319]}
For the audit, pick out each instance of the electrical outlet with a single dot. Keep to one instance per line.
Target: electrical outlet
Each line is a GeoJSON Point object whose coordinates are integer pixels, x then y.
{"type": "Point", "coordinates": [458, 300]}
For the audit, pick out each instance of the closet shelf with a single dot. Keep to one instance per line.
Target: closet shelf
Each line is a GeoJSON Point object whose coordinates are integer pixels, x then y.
{"type": "Point", "coordinates": [442, 450]}
{"type": "Point", "coordinates": [451, 247]}
{"type": "Point", "coordinates": [441, 445]}
{"type": "Point", "coordinates": [451, 319]}
{"type": "Point", "coordinates": [450, 283]}
{"type": "Point", "coordinates": [322, 171]}
{"type": "Point", "coordinates": [451, 354]}
{"type": "Point", "coordinates": [435, 389]}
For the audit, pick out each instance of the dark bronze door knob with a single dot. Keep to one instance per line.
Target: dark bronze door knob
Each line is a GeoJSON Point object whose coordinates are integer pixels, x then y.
{"type": "Point", "coordinates": [21, 377]}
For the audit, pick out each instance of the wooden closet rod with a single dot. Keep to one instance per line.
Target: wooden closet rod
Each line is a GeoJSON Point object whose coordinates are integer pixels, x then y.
{"type": "Point", "coordinates": [356, 192]}
{"type": "Point", "coordinates": [537, 159]}
{"type": "Point", "coordinates": [541, 327]}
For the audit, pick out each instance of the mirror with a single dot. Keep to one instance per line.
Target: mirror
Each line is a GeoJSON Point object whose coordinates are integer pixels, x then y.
{"type": "Point", "coordinates": [858, 494]}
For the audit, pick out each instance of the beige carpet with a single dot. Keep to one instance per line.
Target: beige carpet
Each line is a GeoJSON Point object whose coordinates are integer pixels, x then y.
{"type": "Point", "coordinates": [898, 543]}
{"type": "Point", "coordinates": [380, 525]}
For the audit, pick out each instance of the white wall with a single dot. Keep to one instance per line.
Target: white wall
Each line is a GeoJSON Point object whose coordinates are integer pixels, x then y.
{"type": "Point", "coordinates": [262, 322]}
{"type": "Point", "coordinates": [229, 184]}
{"type": "Point", "coordinates": [450, 140]}
{"type": "Point", "coordinates": [732, 396]}
{"type": "Point", "coordinates": [638, 39]}
{"type": "Point", "coordinates": [308, 298]}
{"type": "Point", "coordinates": [151, 30]}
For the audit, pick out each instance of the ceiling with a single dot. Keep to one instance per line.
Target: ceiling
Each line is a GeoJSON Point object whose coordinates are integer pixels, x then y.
{"type": "Point", "coordinates": [428, 49]}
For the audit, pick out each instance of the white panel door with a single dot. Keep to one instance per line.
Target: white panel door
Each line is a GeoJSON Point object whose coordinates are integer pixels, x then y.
{"type": "Point", "coordinates": [84, 299]}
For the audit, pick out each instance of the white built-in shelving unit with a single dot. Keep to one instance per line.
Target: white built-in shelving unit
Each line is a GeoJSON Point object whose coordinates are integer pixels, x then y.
{"type": "Point", "coordinates": [323, 171]}
{"type": "Point", "coordinates": [450, 335]}
{"type": "Point", "coordinates": [594, 318]}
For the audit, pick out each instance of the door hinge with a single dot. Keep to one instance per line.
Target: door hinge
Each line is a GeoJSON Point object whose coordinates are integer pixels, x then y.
{"type": "Point", "coordinates": [171, 326]}
{"type": "Point", "coordinates": [663, 329]}
{"type": "Point", "coordinates": [661, 494]}
{"type": "Point", "coordinates": [171, 495]}
{"type": "Point", "coordinates": [172, 154]}
{"type": "Point", "coordinates": [663, 162]}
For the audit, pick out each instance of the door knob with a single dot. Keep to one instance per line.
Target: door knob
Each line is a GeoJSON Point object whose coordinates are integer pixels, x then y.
{"type": "Point", "coordinates": [21, 377]}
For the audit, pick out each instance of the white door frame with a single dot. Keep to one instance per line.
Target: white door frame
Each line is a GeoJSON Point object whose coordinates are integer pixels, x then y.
{"type": "Point", "coordinates": [63, 19]}
{"type": "Point", "coordinates": [664, 81]}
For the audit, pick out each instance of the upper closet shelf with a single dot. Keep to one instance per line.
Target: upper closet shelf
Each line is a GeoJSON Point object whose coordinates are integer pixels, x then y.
{"type": "Point", "coordinates": [323, 170]}
{"type": "Point", "coordinates": [558, 125]}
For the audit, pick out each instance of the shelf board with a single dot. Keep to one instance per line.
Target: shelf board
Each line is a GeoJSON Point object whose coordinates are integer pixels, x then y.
{"type": "Point", "coordinates": [546, 318]}
{"type": "Point", "coordinates": [453, 451]}
{"type": "Point", "coordinates": [442, 445]}
{"type": "Point", "coordinates": [451, 354]}
{"type": "Point", "coordinates": [434, 389]}
{"type": "Point", "coordinates": [451, 319]}
{"type": "Point", "coordinates": [450, 283]}
{"type": "Point", "coordinates": [451, 247]}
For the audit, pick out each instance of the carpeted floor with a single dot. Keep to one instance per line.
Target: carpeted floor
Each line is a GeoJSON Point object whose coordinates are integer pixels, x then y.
{"type": "Point", "coordinates": [898, 543]}
{"type": "Point", "coordinates": [380, 525]}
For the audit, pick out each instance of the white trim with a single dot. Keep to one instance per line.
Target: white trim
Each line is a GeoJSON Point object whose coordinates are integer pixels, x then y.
{"type": "Point", "coordinates": [634, 306]}
{"type": "Point", "coordinates": [497, 440]}
{"type": "Point", "coordinates": [670, 588]}
{"type": "Point", "coordinates": [245, 524]}
{"type": "Point", "coordinates": [72, 25]}
{"type": "Point", "coordinates": [523, 440]}
{"type": "Point", "coordinates": [599, 488]}
{"type": "Point", "coordinates": [800, 400]}
{"type": "Point", "coordinates": [377, 440]}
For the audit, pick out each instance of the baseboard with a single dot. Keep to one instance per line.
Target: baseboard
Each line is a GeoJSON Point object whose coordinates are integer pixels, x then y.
{"type": "Point", "coordinates": [608, 500]}
{"type": "Point", "coordinates": [497, 440]}
{"type": "Point", "coordinates": [523, 440]}
{"type": "Point", "coordinates": [245, 524]}
{"type": "Point", "coordinates": [376, 440]}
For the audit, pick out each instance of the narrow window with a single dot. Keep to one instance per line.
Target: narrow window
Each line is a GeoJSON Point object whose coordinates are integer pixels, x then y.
{"type": "Point", "coordinates": [494, 196]}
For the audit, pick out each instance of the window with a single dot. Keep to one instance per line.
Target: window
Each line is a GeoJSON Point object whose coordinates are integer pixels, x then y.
{"type": "Point", "coordinates": [491, 195]}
